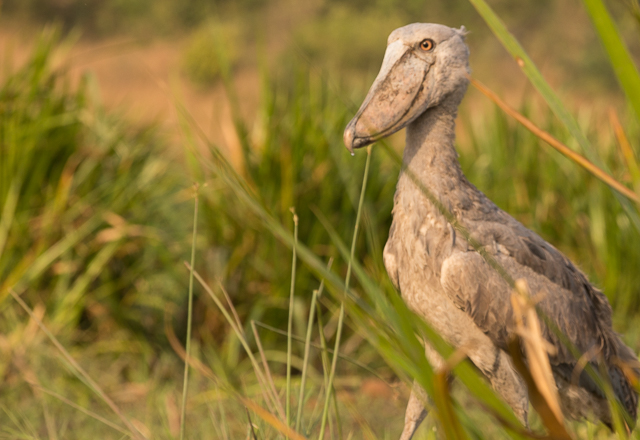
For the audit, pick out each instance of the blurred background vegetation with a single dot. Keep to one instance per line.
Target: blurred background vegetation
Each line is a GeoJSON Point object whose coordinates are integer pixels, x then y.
{"type": "Point", "coordinates": [97, 202]}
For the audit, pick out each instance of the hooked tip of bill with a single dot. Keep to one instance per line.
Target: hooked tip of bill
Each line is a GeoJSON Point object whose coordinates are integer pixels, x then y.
{"type": "Point", "coordinates": [348, 138]}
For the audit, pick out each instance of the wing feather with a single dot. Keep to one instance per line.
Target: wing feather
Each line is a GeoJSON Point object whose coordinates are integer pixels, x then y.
{"type": "Point", "coordinates": [574, 305]}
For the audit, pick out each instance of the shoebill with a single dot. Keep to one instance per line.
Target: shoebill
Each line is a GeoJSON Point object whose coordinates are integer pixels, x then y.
{"type": "Point", "coordinates": [423, 78]}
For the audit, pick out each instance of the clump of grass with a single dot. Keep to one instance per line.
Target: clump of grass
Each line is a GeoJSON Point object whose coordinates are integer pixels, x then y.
{"type": "Point", "coordinates": [201, 61]}
{"type": "Point", "coordinates": [83, 202]}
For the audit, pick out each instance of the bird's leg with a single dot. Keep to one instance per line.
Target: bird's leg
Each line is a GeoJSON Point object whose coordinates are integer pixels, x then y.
{"type": "Point", "coordinates": [497, 368]}
{"type": "Point", "coordinates": [416, 411]}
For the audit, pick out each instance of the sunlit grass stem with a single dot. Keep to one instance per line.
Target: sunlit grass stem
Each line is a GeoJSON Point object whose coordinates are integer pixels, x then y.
{"type": "Point", "coordinates": [334, 361]}
{"type": "Point", "coordinates": [185, 382]}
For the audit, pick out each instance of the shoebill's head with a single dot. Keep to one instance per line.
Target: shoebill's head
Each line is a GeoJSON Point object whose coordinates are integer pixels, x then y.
{"type": "Point", "coordinates": [424, 63]}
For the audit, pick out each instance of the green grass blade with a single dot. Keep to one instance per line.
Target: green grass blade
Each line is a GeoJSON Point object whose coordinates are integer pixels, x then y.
{"type": "Point", "coordinates": [185, 382]}
{"type": "Point", "coordinates": [8, 211]}
{"type": "Point", "coordinates": [305, 362]}
{"type": "Point", "coordinates": [621, 61]}
{"type": "Point", "coordinates": [290, 322]}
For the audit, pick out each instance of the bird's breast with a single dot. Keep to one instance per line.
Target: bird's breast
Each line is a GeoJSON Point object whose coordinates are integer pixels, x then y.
{"type": "Point", "coordinates": [420, 239]}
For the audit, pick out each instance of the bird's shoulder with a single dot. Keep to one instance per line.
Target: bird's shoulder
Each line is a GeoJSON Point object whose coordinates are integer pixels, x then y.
{"type": "Point", "coordinates": [499, 232]}
{"type": "Point", "coordinates": [502, 235]}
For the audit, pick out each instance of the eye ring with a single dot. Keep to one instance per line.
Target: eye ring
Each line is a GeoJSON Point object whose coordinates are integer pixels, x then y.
{"type": "Point", "coordinates": [427, 45]}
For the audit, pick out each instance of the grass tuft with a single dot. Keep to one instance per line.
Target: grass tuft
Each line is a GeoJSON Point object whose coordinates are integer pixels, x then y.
{"type": "Point", "coordinates": [81, 373]}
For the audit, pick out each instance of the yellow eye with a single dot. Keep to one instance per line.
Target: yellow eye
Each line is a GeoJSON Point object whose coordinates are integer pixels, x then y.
{"type": "Point", "coordinates": [427, 44]}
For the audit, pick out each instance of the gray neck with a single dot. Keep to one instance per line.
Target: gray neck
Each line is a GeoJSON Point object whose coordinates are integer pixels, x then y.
{"type": "Point", "coordinates": [430, 153]}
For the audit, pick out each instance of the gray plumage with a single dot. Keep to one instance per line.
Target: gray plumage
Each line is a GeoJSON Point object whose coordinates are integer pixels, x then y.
{"type": "Point", "coordinates": [441, 277]}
